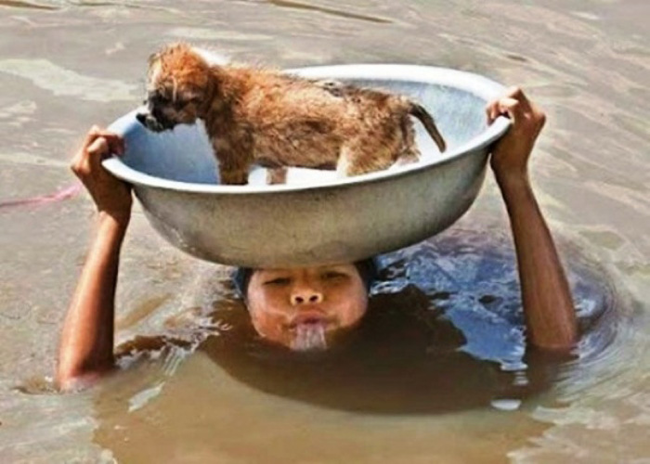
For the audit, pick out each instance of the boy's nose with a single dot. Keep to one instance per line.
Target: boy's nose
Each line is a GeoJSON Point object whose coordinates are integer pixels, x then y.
{"type": "Point", "coordinates": [306, 296]}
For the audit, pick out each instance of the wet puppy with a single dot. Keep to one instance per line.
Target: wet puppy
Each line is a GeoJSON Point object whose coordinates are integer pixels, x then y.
{"type": "Point", "coordinates": [260, 116]}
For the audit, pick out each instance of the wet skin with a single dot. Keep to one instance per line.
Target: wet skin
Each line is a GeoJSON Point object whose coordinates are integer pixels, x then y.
{"type": "Point", "coordinates": [282, 300]}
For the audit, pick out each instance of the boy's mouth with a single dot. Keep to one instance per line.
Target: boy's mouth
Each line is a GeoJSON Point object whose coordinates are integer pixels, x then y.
{"type": "Point", "coordinates": [310, 317]}
{"type": "Point", "coordinates": [309, 335]}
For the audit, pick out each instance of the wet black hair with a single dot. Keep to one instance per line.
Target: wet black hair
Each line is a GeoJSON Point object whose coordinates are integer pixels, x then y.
{"type": "Point", "coordinates": [367, 269]}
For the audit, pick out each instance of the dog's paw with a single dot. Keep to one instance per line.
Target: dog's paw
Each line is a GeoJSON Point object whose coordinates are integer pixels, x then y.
{"type": "Point", "coordinates": [275, 176]}
{"type": "Point", "coordinates": [335, 88]}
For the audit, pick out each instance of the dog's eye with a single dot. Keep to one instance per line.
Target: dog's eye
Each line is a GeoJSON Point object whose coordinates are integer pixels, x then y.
{"type": "Point", "coordinates": [158, 99]}
{"type": "Point", "coordinates": [185, 102]}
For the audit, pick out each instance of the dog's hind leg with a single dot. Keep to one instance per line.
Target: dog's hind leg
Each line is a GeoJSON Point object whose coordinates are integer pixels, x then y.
{"type": "Point", "coordinates": [275, 176]}
{"type": "Point", "coordinates": [407, 157]}
{"type": "Point", "coordinates": [363, 156]}
{"type": "Point", "coordinates": [410, 153]}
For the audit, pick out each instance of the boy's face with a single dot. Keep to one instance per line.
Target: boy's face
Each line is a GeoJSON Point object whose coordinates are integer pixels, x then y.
{"type": "Point", "coordinates": [304, 308]}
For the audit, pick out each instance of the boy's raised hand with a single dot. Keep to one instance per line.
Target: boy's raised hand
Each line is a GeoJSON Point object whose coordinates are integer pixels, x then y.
{"type": "Point", "coordinates": [111, 195]}
{"type": "Point", "coordinates": [510, 154]}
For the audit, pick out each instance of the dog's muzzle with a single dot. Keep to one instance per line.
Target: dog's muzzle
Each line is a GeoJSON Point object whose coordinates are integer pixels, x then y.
{"type": "Point", "coordinates": [152, 123]}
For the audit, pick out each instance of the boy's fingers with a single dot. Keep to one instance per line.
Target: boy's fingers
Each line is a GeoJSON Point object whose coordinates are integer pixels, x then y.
{"type": "Point", "coordinates": [98, 149]}
{"type": "Point", "coordinates": [92, 134]}
{"type": "Point", "coordinates": [80, 166]}
{"type": "Point", "coordinates": [489, 112]}
{"type": "Point", "coordinates": [515, 92]}
{"type": "Point", "coordinates": [492, 110]}
{"type": "Point", "coordinates": [507, 105]}
{"type": "Point", "coordinates": [98, 144]}
{"type": "Point", "coordinates": [115, 144]}
{"type": "Point", "coordinates": [512, 103]}
{"type": "Point", "coordinates": [115, 141]}
{"type": "Point", "coordinates": [510, 107]}
{"type": "Point", "coordinates": [519, 95]}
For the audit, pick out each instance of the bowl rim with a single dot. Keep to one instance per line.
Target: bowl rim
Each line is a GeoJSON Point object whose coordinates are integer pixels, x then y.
{"type": "Point", "coordinates": [475, 84]}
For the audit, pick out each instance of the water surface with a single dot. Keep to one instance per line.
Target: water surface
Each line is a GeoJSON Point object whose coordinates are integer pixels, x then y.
{"type": "Point", "coordinates": [66, 65]}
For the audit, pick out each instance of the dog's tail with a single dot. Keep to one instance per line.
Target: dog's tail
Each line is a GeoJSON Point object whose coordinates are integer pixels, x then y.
{"type": "Point", "coordinates": [419, 112]}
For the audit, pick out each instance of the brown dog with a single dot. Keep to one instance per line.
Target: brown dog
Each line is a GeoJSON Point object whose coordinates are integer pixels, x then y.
{"type": "Point", "coordinates": [277, 120]}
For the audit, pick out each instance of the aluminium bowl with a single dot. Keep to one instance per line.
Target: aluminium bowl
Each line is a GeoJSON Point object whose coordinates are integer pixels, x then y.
{"type": "Point", "coordinates": [317, 218]}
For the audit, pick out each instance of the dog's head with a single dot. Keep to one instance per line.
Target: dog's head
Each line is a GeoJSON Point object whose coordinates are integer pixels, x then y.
{"type": "Point", "coordinates": [178, 88]}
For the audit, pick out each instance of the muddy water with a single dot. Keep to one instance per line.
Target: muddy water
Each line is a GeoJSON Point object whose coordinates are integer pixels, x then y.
{"type": "Point", "coordinates": [66, 65]}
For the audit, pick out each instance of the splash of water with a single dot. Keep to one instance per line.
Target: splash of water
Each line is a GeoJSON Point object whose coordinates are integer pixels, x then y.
{"type": "Point", "coordinates": [309, 337]}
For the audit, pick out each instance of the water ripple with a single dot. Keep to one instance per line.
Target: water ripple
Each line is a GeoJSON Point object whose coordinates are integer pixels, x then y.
{"type": "Point", "coordinates": [66, 83]}
{"type": "Point", "coordinates": [329, 11]}
{"type": "Point", "coordinates": [24, 4]}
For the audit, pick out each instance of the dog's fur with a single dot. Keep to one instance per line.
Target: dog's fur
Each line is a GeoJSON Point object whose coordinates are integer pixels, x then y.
{"type": "Point", "coordinates": [277, 120]}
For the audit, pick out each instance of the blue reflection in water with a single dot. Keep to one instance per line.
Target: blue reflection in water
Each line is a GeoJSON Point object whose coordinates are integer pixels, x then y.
{"type": "Point", "coordinates": [471, 276]}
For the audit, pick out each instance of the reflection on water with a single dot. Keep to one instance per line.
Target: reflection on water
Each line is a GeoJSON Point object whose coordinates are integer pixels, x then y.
{"type": "Point", "coordinates": [65, 65]}
{"type": "Point", "coordinates": [446, 315]}
{"type": "Point", "coordinates": [410, 357]}
{"type": "Point", "coordinates": [19, 4]}
{"type": "Point", "coordinates": [330, 11]}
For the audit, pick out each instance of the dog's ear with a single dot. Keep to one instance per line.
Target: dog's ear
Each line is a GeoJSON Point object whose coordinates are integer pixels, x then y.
{"type": "Point", "coordinates": [153, 58]}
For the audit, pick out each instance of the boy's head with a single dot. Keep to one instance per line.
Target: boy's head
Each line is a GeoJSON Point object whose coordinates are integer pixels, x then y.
{"type": "Point", "coordinates": [303, 308]}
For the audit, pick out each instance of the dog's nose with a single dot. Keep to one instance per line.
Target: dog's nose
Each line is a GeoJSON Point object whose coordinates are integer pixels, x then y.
{"type": "Point", "coordinates": [141, 118]}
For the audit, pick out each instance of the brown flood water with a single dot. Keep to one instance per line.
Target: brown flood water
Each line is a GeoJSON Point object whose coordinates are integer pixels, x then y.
{"type": "Point", "coordinates": [418, 382]}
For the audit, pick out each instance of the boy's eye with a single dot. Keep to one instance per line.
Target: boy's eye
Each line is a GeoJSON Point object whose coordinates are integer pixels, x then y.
{"type": "Point", "coordinates": [278, 281]}
{"type": "Point", "coordinates": [330, 275]}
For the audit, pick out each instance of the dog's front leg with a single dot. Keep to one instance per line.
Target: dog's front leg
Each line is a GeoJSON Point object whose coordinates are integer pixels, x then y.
{"type": "Point", "coordinates": [233, 177]}
{"type": "Point", "coordinates": [343, 163]}
{"type": "Point", "coordinates": [335, 88]}
{"type": "Point", "coordinates": [234, 162]}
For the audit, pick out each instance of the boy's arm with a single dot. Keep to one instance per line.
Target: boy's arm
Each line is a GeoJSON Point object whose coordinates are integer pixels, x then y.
{"type": "Point", "coordinates": [548, 306]}
{"type": "Point", "coordinates": [86, 347]}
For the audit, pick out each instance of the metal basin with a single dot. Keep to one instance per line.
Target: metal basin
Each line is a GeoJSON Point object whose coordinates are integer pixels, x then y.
{"type": "Point", "coordinates": [316, 218]}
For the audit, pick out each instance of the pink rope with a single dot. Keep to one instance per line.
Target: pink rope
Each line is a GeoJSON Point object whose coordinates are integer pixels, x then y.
{"type": "Point", "coordinates": [63, 194]}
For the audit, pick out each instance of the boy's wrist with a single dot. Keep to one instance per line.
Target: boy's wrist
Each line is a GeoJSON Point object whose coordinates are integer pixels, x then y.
{"type": "Point", "coordinates": [512, 179]}
{"type": "Point", "coordinates": [114, 222]}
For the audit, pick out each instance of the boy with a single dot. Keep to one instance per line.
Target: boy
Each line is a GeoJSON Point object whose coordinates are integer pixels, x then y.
{"type": "Point", "coordinates": [301, 308]}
